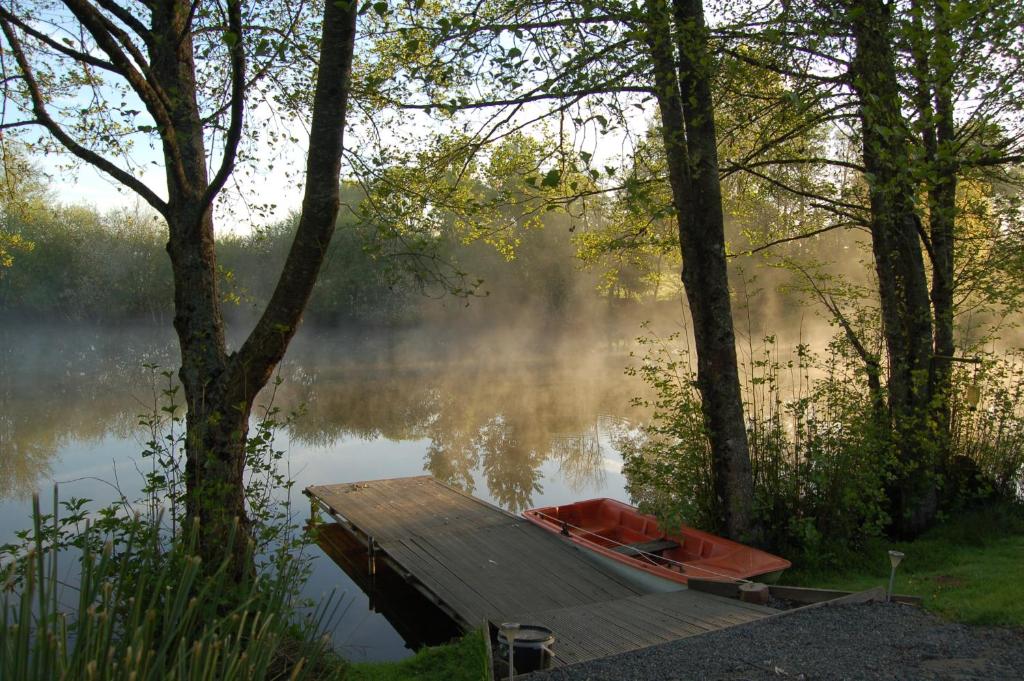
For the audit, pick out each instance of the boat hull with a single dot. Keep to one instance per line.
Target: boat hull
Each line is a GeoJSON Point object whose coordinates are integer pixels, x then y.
{"type": "Point", "coordinates": [630, 542]}
{"type": "Point", "coordinates": [639, 579]}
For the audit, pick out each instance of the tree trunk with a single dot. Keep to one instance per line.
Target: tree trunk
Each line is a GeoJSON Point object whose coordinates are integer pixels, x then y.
{"type": "Point", "coordinates": [220, 387]}
{"type": "Point", "coordinates": [688, 134]}
{"type": "Point", "coordinates": [941, 222]}
{"type": "Point", "coordinates": [899, 264]}
{"type": "Point", "coordinates": [215, 431]}
{"type": "Point", "coordinates": [157, 64]}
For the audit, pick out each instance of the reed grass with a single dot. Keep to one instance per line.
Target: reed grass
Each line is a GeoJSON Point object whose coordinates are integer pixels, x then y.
{"type": "Point", "coordinates": [143, 610]}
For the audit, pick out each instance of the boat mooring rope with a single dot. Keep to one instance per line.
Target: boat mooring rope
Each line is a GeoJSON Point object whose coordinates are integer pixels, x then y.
{"type": "Point", "coordinates": [650, 557]}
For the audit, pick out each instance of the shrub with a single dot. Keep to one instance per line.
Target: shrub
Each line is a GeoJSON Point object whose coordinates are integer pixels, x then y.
{"type": "Point", "coordinates": [817, 458]}
{"type": "Point", "coordinates": [820, 451]}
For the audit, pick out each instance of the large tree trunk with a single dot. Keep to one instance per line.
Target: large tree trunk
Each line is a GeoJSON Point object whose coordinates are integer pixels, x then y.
{"type": "Point", "coordinates": [688, 134]}
{"type": "Point", "coordinates": [899, 264]}
{"type": "Point", "coordinates": [220, 387]}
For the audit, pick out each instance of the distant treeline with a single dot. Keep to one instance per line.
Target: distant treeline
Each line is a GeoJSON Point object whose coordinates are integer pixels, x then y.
{"type": "Point", "coordinates": [87, 266]}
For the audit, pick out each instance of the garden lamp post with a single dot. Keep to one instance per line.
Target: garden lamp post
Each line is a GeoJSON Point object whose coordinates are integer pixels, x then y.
{"type": "Point", "coordinates": [894, 559]}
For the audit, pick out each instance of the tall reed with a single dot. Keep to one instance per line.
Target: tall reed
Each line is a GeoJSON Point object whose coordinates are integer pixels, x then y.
{"type": "Point", "coordinates": [145, 610]}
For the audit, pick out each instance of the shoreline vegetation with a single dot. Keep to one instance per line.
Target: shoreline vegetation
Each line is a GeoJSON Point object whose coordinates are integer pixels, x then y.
{"type": "Point", "coordinates": [145, 609]}
{"type": "Point", "coordinates": [966, 569]}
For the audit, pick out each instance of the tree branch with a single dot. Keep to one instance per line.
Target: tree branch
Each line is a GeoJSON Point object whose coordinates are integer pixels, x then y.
{"type": "Point", "coordinates": [736, 166]}
{"type": "Point", "coordinates": [107, 38]}
{"type": "Point", "coordinates": [250, 367]}
{"type": "Point", "coordinates": [798, 237]}
{"type": "Point", "coordinates": [82, 152]}
{"type": "Point", "coordinates": [525, 99]}
{"type": "Point", "coordinates": [77, 55]}
{"type": "Point", "coordinates": [238, 88]}
{"type": "Point", "coordinates": [128, 19]}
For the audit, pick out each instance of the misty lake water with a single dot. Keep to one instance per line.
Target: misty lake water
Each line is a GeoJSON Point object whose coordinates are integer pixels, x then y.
{"type": "Point", "coordinates": [519, 420]}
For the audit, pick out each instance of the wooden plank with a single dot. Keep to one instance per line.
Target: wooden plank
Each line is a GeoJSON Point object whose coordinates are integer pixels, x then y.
{"type": "Point", "coordinates": [488, 651]}
{"type": "Point", "coordinates": [398, 508]}
{"type": "Point", "coordinates": [714, 586]}
{"type": "Point", "coordinates": [496, 571]}
{"type": "Point", "coordinates": [794, 594]}
{"type": "Point", "coordinates": [606, 628]}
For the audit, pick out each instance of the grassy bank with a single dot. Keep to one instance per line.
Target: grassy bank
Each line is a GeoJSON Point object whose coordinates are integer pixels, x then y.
{"type": "Point", "coordinates": [968, 569]}
{"type": "Point", "coordinates": [462, 660]}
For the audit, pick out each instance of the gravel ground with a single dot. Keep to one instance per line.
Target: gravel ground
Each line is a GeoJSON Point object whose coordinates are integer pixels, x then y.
{"type": "Point", "coordinates": [848, 642]}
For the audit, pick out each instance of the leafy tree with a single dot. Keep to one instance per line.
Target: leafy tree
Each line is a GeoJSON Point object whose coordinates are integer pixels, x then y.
{"type": "Point", "coordinates": [913, 86]}
{"type": "Point", "coordinates": [580, 68]}
{"type": "Point", "coordinates": [97, 77]}
{"type": "Point", "coordinates": [21, 191]}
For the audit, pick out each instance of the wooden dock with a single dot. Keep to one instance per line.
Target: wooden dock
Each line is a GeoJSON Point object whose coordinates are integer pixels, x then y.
{"type": "Point", "coordinates": [479, 563]}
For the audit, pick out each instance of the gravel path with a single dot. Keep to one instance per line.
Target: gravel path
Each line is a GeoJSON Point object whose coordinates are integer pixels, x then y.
{"type": "Point", "coordinates": [848, 642]}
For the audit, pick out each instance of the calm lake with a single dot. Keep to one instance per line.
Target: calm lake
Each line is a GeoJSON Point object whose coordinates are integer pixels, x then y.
{"type": "Point", "coordinates": [520, 420]}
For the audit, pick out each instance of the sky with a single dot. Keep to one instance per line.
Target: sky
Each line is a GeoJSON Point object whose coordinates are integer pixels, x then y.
{"type": "Point", "coordinates": [82, 184]}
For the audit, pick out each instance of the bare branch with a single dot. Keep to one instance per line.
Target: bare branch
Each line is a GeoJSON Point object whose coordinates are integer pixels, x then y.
{"type": "Point", "coordinates": [82, 152]}
{"type": "Point", "coordinates": [238, 88]}
{"type": "Point", "coordinates": [798, 237]}
{"type": "Point", "coordinates": [128, 19]}
{"type": "Point", "coordinates": [57, 46]}
{"type": "Point", "coordinates": [525, 99]}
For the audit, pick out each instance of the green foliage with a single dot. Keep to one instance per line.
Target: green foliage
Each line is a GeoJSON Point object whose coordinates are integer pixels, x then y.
{"type": "Point", "coordinates": [9, 245]}
{"type": "Point", "coordinates": [89, 266]}
{"type": "Point", "coordinates": [819, 448]}
{"type": "Point", "coordinates": [144, 610]}
{"type": "Point", "coordinates": [987, 431]}
{"type": "Point", "coordinates": [462, 660]}
{"type": "Point", "coordinates": [818, 463]}
{"type": "Point", "coordinates": [388, 249]}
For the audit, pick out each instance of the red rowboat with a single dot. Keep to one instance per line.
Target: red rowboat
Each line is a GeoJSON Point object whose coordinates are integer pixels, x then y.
{"type": "Point", "coordinates": [622, 534]}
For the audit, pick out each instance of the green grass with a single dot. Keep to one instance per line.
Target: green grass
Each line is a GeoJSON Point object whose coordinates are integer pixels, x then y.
{"type": "Point", "coordinates": [461, 660]}
{"type": "Point", "coordinates": [968, 569]}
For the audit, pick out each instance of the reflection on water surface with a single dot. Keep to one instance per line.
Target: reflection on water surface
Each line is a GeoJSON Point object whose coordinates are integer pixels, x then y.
{"type": "Point", "coordinates": [517, 427]}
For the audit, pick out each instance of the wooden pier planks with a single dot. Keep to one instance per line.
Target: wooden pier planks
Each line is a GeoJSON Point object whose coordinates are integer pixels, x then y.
{"type": "Point", "coordinates": [403, 507]}
{"type": "Point", "coordinates": [480, 563]}
{"type": "Point", "coordinates": [606, 628]}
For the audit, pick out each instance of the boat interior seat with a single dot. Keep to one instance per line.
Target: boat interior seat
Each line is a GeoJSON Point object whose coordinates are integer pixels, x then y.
{"type": "Point", "coordinates": [656, 546]}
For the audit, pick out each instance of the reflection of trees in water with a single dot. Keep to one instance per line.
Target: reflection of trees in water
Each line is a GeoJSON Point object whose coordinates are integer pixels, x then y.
{"type": "Point", "coordinates": [61, 385]}
{"type": "Point", "coordinates": [502, 425]}
{"type": "Point", "coordinates": [501, 421]}
{"type": "Point", "coordinates": [580, 458]}
{"type": "Point", "coordinates": [511, 465]}
{"type": "Point", "coordinates": [22, 461]}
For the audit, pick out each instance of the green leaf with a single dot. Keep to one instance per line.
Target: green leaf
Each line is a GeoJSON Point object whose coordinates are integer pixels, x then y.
{"type": "Point", "coordinates": [551, 178]}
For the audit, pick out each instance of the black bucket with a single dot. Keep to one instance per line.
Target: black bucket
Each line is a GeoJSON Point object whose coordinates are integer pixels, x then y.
{"type": "Point", "coordinates": [532, 648]}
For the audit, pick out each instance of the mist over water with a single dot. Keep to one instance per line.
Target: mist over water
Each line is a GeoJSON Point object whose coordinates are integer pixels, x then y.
{"type": "Point", "coordinates": [518, 418]}
{"type": "Point", "coordinates": [517, 401]}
